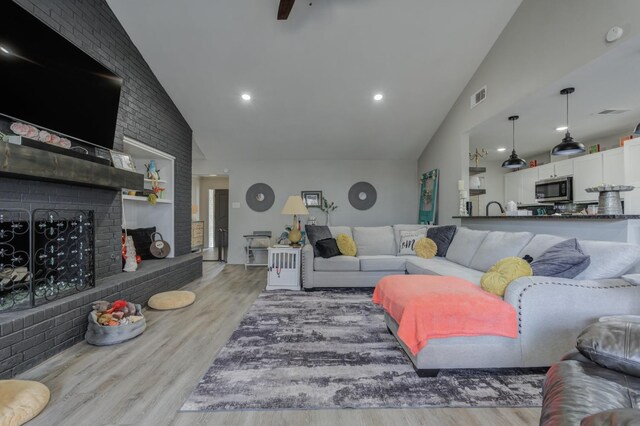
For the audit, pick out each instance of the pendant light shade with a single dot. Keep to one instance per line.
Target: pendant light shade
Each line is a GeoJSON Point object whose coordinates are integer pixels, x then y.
{"type": "Point", "coordinates": [568, 146]}
{"type": "Point", "coordinates": [637, 131]}
{"type": "Point", "coordinates": [514, 162]}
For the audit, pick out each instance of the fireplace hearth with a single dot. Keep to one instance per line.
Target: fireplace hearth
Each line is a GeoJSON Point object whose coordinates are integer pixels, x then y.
{"type": "Point", "coordinates": [45, 254]}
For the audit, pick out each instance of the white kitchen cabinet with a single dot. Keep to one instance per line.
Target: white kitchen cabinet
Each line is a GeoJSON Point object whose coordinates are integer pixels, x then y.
{"type": "Point", "coordinates": [563, 168]}
{"type": "Point", "coordinates": [512, 186]}
{"type": "Point", "coordinates": [613, 167]}
{"type": "Point", "coordinates": [547, 171]}
{"type": "Point", "coordinates": [528, 182]}
{"type": "Point", "coordinates": [554, 170]}
{"type": "Point", "coordinates": [587, 172]}
{"type": "Point", "coordinates": [632, 175]}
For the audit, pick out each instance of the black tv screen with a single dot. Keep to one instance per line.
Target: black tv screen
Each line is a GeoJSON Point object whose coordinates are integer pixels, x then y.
{"type": "Point", "coordinates": [48, 82]}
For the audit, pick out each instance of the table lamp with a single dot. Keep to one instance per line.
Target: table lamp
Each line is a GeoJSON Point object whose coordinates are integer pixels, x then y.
{"type": "Point", "coordinates": [296, 207]}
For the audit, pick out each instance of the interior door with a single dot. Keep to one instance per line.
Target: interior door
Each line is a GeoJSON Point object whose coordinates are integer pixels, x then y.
{"type": "Point", "coordinates": [221, 215]}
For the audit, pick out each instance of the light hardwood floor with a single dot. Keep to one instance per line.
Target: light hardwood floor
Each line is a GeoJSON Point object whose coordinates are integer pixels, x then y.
{"type": "Point", "coordinates": [145, 381]}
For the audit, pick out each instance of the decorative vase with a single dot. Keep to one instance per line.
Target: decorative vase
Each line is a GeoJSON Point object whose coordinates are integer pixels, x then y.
{"type": "Point", "coordinates": [130, 264]}
{"type": "Point", "coordinates": [328, 219]}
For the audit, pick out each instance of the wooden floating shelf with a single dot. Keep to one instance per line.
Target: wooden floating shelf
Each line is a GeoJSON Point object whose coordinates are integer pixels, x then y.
{"type": "Point", "coordinates": [474, 192]}
{"type": "Point", "coordinates": [476, 170]}
{"type": "Point", "coordinates": [24, 162]}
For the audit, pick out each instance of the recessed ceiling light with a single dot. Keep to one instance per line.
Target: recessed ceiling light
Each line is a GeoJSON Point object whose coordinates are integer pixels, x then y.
{"type": "Point", "coordinates": [561, 128]}
{"type": "Point", "coordinates": [246, 97]}
{"type": "Point", "coordinates": [378, 97]}
{"type": "Point", "coordinates": [4, 49]}
{"type": "Point", "coordinates": [501, 149]}
{"type": "Point", "coordinates": [213, 175]}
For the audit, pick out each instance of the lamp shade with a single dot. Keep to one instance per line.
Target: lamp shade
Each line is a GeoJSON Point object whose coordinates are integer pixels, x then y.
{"type": "Point", "coordinates": [294, 205]}
{"type": "Point", "coordinates": [637, 131]}
{"type": "Point", "coordinates": [568, 146]}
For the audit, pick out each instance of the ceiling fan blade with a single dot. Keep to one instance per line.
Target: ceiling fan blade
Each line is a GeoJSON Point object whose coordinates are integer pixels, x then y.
{"type": "Point", "coordinates": [284, 9]}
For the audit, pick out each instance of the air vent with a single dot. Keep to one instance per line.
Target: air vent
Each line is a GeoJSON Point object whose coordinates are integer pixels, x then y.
{"type": "Point", "coordinates": [612, 111]}
{"type": "Point", "coordinates": [478, 97]}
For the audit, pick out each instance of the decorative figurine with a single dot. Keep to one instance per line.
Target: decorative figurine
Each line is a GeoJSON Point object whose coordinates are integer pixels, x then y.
{"type": "Point", "coordinates": [153, 173]}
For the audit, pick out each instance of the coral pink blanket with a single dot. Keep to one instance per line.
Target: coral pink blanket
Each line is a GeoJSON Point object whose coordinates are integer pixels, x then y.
{"type": "Point", "coordinates": [431, 306]}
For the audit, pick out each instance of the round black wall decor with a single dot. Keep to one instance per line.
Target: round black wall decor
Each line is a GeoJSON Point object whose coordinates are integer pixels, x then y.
{"type": "Point", "coordinates": [362, 195]}
{"type": "Point", "coordinates": [260, 197]}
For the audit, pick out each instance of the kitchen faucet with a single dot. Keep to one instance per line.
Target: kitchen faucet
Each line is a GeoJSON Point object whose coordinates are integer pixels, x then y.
{"type": "Point", "coordinates": [493, 202]}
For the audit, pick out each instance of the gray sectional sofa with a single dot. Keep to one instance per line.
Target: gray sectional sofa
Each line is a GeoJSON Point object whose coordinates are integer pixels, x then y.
{"type": "Point", "coordinates": [551, 311]}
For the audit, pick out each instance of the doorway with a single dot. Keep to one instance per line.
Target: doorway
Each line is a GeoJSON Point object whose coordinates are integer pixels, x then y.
{"type": "Point", "coordinates": [213, 210]}
{"type": "Point", "coordinates": [220, 225]}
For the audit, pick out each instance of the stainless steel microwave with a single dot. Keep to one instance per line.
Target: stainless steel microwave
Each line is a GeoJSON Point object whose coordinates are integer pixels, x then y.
{"type": "Point", "coordinates": [555, 190]}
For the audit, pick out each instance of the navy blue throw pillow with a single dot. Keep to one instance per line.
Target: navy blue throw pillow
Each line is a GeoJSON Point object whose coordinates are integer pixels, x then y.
{"type": "Point", "coordinates": [316, 233]}
{"type": "Point", "coordinates": [564, 260]}
{"type": "Point", "coordinates": [328, 248]}
{"type": "Point", "coordinates": [442, 236]}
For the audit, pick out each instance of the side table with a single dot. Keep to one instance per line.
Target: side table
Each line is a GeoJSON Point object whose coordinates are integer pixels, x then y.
{"type": "Point", "coordinates": [284, 268]}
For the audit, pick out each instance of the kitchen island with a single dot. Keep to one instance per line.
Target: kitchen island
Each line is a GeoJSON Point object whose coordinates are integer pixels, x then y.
{"type": "Point", "coordinates": [622, 228]}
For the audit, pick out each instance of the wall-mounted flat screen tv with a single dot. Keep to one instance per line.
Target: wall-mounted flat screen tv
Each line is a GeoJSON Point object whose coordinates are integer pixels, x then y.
{"type": "Point", "coordinates": [48, 82]}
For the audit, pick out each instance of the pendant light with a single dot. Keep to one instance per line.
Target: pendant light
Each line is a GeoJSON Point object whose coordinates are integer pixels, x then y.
{"type": "Point", "coordinates": [568, 146]}
{"type": "Point", "coordinates": [514, 162]}
{"type": "Point", "coordinates": [637, 131]}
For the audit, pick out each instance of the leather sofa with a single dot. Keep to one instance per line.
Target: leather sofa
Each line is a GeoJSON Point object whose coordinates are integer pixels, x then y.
{"type": "Point", "coordinates": [598, 384]}
{"type": "Point", "coordinates": [551, 311]}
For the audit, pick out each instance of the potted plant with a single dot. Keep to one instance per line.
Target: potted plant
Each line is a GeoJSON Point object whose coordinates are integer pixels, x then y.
{"type": "Point", "coordinates": [328, 207]}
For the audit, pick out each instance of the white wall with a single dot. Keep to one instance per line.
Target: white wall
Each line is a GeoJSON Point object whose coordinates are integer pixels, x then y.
{"type": "Point", "coordinates": [396, 183]}
{"type": "Point", "coordinates": [544, 41]}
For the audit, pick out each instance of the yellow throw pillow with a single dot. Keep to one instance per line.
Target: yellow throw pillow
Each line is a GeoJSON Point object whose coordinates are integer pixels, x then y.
{"type": "Point", "coordinates": [346, 245]}
{"type": "Point", "coordinates": [497, 279]}
{"type": "Point", "coordinates": [426, 248]}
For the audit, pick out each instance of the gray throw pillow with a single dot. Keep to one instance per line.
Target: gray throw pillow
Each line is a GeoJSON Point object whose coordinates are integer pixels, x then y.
{"type": "Point", "coordinates": [612, 344]}
{"type": "Point", "coordinates": [564, 260]}
{"type": "Point", "coordinates": [442, 236]}
{"type": "Point", "coordinates": [316, 233]}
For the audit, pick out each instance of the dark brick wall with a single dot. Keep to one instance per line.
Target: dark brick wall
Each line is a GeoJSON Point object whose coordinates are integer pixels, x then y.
{"type": "Point", "coordinates": [29, 337]}
{"type": "Point", "coordinates": [146, 114]}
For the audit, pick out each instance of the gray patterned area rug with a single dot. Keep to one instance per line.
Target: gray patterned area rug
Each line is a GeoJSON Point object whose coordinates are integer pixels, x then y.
{"type": "Point", "coordinates": [331, 349]}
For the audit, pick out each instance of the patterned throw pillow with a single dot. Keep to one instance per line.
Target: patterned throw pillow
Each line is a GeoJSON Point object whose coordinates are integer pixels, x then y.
{"type": "Point", "coordinates": [408, 241]}
{"type": "Point", "coordinates": [346, 245]}
{"type": "Point", "coordinates": [497, 279]}
{"type": "Point", "coordinates": [426, 248]}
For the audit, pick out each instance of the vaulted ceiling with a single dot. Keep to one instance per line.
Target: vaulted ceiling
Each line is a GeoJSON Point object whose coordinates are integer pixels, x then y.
{"type": "Point", "coordinates": [312, 78]}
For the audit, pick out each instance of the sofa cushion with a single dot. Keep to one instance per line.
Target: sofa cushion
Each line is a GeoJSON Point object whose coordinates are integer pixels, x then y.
{"type": "Point", "coordinates": [499, 245]}
{"type": "Point", "coordinates": [398, 228]}
{"type": "Point", "coordinates": [499, 276]}
{"type": "Point", "coordinates": [382, 263]}
{"type": "Point", "coordinates": [442, 236]}
{"type": "Point", "coordinates": [426, 248]}
{"type": "Point", "coordinates": [441, 266]}
{"type": "Point", "coordinates": [408, 240]}
{"type": "Point", "coordinates": [608, 259]}
{"type": "Point", "coordinates": [539, 244]}
{"type": "Point", "coordinates": [612, 344]}
{"type": "Point", "coordinates": [338, 263]}
{"type": "Point", "coordinates": [316, 233]}
{"type": "Point", "coordinates": [335, 230]}
{"type": "Point", "coordinates": [564, 260]}
{"type": "Point", "coordinates": [464, 246]}
{"type": "Point", "coordinates": [328, 248]}
{"type": "Point", "coordinates": [374, 240]}
{"type": "Point", "coordinates": [346, 245]}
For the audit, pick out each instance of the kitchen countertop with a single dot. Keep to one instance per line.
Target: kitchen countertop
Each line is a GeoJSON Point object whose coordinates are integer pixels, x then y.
{"type": "Point", "coordinates": [559, 217]}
